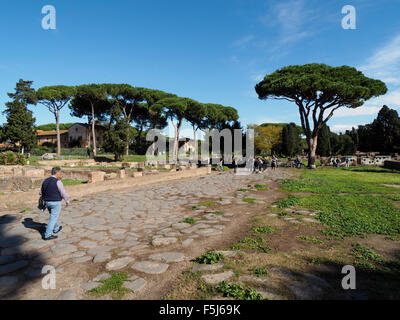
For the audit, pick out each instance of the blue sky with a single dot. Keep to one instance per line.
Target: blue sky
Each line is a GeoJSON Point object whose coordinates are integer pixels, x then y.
{"type": "Point", "coordinates": [210, 50]}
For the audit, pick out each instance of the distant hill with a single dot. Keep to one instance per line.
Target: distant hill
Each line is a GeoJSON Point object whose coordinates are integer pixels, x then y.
{"type": "Point", "coordinates": [52, 126]}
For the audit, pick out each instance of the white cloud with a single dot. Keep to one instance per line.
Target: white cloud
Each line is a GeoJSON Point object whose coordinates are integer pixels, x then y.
{"type": "Point", "coordinates": [243, 41]}
{"type": "Point", "coordinates": [342, 127]}
{"type": "Point", "coordinates": [391, 99]}
{"type": "Point", "coordinates": [385, 63]}
{"type": "Point", "coordinates": [267, 120]}
{"type": "Point", "coordinates": [291, 18]}
{"type": "Point", "coordinates": [361, 111]}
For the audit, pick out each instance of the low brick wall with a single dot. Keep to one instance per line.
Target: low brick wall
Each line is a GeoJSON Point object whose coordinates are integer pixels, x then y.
{"type": "Point", "coordinates": [21, 171]}
{"type": "Point", "coordinates": [59, 163]}
{"type": "Point", "coordinates": [30, 198]}
{"type": "Point", "coordinates": [389, 164]}
{"type": "Point", "coordinates": [84, 174]}
{"type": "Point", "coordinates": [11, 184]}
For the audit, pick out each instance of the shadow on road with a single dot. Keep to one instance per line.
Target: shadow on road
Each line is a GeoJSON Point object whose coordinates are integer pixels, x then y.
{"type": "Point", "coordinates": [20, 265]}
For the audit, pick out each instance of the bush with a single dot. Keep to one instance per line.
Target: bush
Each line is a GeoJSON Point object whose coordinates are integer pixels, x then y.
{"type": "Point", "coordinates": [238, 292]}
{"type": "Point", "coordinates": [210, 258]}
{"type": "Point", "coordinates": [11, 158]}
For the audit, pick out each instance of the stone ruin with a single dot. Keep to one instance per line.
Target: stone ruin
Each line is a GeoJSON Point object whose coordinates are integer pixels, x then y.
{"type": "Point", "coordinates": [24, 178]}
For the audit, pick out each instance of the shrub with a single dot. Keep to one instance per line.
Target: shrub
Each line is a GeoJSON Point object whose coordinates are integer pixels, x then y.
{"type": "Point", "coordinates": [238, 292]}
{"type": "Point", "coordinates": [11, 158]}
{"type": "Point", "coordinates": [210, 258]}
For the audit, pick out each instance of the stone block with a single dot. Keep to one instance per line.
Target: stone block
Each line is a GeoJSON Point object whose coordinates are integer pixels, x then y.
{"type": "Point", "coordinates": [137, 174]}
{"type": "Point", "coordinates": [96, 176]}
{"type": "Point", "coordinates": [121, 174]}
{"type": "Point", "coordinates": [33, 173]}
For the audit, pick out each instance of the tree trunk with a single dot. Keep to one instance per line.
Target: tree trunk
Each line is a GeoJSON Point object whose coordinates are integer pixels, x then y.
{"type": "Point", "coordinates": [176, 147]}
{"type": "Point", "coordinates": [58, 133]}
{"type": "Point", "coordinates": [88, 134]}
{"type": "Point", "coordinates": [127, 140]}
{"type": "Point", "coordinates": [93, 131]}
{"type": "Point", "coordinates": [312, 150]}
{"type": "Point", "coordinates": [196, 153]}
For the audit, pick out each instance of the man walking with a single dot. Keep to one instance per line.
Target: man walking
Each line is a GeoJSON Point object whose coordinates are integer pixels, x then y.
{"type": "Point", "coordinates": [53, 192]}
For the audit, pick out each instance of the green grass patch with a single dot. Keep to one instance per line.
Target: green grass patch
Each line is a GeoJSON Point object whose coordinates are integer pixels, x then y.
{"type": "Point", "coordinates": [290, 201]}
{"type": "Point", "coordinates": [355, 215]}
{"type": "Point", "coordinates": [204, 204]}
{"type": "Point", "coordinates": [25, 210]}
{"type": "Point", "coordinates": [189, 220]}
{"type": "Point", "coordinates": [219, 212]}
{"type": "Point", "coordinates": [243, 190]}
{"type": "Point", "coordinates": [70, 182]}
{"type": "Point", "coordinates": [334, 181]}
{"type": "Point", "coordinates": [238, 292]}
{"type": "Point", "coordinates": [265, 230]}
{"type": "Point", "coordinates": [113, 286]}
{"type": "Point", "coordinates": [366, 258]}
{"type": "Point", "coordinates": [256, 243]}
{"type": "Point", "coordinates": [282, 213]}
{"type": "Point", "coordinates": [238, 246]}
{"type": "Point", "coordinates": [249, 200]}
{"type": "Point", "coordinates": [260, 271]}
{"type": "Point", "coordinates": [310, 239]}
{"type": "Point", "coordinates": [260, 187]}
{"type": "Point", "coordinates": [210, 257]}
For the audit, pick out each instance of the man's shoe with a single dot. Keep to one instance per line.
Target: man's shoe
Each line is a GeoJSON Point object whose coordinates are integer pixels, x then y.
{"type": "Point", "coordinates": [58, 230]}
{"type": "Point", "coordinates": [50, 238]}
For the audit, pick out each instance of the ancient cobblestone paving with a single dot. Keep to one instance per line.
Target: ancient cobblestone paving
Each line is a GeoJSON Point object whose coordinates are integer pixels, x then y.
{"type": "Point", "coordinates": [112, 230]}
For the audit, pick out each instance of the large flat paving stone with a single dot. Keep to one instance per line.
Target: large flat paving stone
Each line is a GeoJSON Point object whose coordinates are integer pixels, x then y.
{"type": "Point", "coordinates": [150, 267]}
{"type": "Point", "coordinates": [90, 285]}
{"type": "Point", "coordinates": [102, 257]}
{"type": "Point", "coordinates": [163, 241]}
{"type": "Point", "coordinates": [88, 244]}
{"type": "Point", "coordinates": [168, 257]}
{"type": "Point", "coordinates": [103, 276]}
{"type": "Point", "coordinates": [207, 267]}
{"type": "Point", "coordinates": [118, 264]}
{"type": "Point", "coordinates": [218, 277]}
{"type": "Point", "coordinates": [136, 284]}
{"type": "Point", "coordinates": [209, 232]}
{"type": "Point", "coordinates": [63, 248]}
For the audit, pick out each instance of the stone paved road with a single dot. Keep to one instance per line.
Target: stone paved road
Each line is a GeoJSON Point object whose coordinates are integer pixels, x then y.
{"type": "Point", "coordinates": [110, 231]}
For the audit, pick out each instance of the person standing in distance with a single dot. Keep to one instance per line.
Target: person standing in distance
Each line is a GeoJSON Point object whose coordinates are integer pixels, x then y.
{"type": "Point", "coordinates": [53, 192]}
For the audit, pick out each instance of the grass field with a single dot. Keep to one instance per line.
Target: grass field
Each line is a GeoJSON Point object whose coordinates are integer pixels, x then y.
{"type": "Point", "coordinates": [352, 181]}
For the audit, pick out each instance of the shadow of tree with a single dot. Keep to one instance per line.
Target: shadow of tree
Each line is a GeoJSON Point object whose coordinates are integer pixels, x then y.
{"type": "Point", "coordinates": [323, 281]}
{"type": "Point", "coordinates": [19, 265]}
